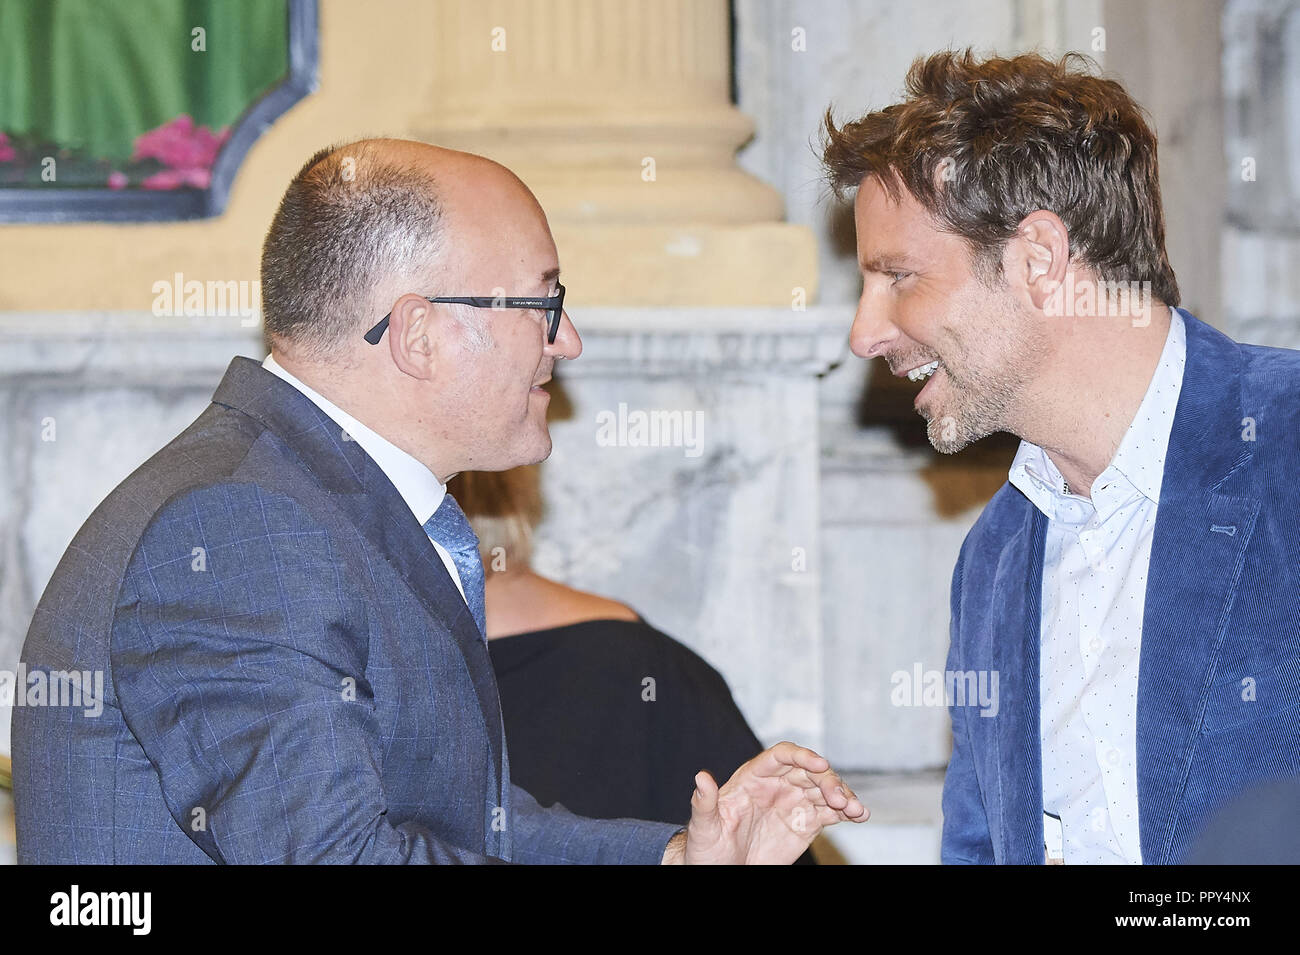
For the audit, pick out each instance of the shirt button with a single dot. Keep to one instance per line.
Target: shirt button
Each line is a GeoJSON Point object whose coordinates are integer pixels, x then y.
{"type": "Point", "coordinates": [1095, 646]}
{"type": "Point", "coordinates": [1112, 757]}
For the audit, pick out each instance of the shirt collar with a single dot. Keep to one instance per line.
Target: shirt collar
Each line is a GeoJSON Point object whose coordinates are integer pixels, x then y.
{"type": "Point", "coordinates": [1140, 459]}
{"type": "Point", "coordinates": [1141, 455]}
{"type": "Point", "coordinates": [1037, 478]}
{"type": "Point", "coordinates": [419, 487]}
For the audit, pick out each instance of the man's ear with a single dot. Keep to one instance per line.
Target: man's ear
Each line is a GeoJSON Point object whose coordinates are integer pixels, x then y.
{"type": "Point", "coordinates": [1040, 256]}
{"type": "Point", "coordinates": [412, 336]}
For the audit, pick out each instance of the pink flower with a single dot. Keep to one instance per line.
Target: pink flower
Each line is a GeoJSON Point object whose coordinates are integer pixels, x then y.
{"type": "Point", "coordinates": [188, 152]}
{"type": "Point", "coordinates": [6, 151]}
{"type": "Point", "coordinates": [175, 178]}
{"type": "Point", "coordinates": [117, 180]}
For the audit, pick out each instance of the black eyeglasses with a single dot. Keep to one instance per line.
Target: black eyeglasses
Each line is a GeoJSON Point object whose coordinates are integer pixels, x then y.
{"type": "Point", "coordinates": [553, 305]}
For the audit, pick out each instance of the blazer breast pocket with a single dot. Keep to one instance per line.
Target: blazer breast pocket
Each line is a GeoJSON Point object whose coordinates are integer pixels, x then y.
{"type": "Point", "coordinates": [1251, 697]}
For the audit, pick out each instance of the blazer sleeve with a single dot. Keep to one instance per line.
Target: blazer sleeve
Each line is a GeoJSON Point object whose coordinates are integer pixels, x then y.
{"type": "Point", "coordinates": [232, 670]}
{"type": "Point", "coordinates": [554, 836]}
{"type": "Point", "coordinates": [966, 838]}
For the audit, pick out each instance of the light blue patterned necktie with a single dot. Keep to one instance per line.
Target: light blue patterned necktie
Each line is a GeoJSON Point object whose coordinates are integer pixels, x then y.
{"type": "Point", "coordinates": [450, 528]}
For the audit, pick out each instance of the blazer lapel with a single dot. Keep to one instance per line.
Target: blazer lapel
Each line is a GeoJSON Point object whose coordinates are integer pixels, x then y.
{"type": "Point", "coordinates": [1017, 591]}
{"type": "Point", "coordinates": [363, 492]}
{"type": "Point", "coordinates": [383, 516]}
{"type": "Point", "coordinates": [1204, 522]}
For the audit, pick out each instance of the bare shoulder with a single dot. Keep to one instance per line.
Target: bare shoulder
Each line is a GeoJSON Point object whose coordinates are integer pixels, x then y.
{"type": "Point", "coordinates": [580, 605]}
{"type": "Point", "coordinates": [532, 602]}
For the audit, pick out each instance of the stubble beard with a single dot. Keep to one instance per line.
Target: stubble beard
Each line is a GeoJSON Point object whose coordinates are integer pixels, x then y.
{"type": "Point", "coordinates": [983, 391]}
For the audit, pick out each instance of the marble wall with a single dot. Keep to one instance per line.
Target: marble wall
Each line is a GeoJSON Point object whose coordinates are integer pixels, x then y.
{"type": "Point", "coordinates": [715, 540]}
{"type": "Point", "coordinates": [1261, 158]}
{"type": "Point", "coordinates": [707, 524]}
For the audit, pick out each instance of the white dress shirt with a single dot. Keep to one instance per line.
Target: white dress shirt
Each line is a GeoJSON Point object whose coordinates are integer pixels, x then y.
{"type": "Point", "coordinates": [1097, 554]}
{"type": "Point", "coordinates": [419, 486]}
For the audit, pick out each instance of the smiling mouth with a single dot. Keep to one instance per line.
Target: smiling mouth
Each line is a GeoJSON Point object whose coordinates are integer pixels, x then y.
{"type": "Point", "coordinates": [923, 372]}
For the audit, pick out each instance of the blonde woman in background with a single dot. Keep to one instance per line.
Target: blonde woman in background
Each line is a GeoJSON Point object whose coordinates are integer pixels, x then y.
{"type": "Point", "coordinates": [570, 667]}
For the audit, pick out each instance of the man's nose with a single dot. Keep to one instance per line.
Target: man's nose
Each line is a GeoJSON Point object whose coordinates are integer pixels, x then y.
{"type": "Point", "coordinates": [872, 330]}
{"type": "Point", "coordinates": [567, 344]}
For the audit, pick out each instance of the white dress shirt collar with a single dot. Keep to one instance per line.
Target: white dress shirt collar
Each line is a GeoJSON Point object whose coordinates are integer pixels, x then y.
{"type": "Point", "coordinates": [419, 487]}
{"type": "Point", "coordinates": [1139, 464]}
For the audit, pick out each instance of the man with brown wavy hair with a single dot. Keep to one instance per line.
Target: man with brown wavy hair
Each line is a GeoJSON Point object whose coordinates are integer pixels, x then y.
{"type": "Point", "coordinates": [1012, 249]}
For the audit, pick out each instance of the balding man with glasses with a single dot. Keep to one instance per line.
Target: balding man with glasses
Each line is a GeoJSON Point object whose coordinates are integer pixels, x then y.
{"type": "Point", "coordinates": [291, 606]}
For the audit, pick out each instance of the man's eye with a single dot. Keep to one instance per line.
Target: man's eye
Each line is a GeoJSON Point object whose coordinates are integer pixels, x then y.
{"type": "Point", "coordinates": [898, 276]}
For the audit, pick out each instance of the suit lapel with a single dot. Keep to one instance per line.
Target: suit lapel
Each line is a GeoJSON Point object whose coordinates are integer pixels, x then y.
{"type": "Point", "coordinates": [383, 516]}
{"type": "Point", "coordinates": [1017, 590]}
{"type": "Point", "coordinates": [363, 492]}
{"type": "Point", "coordinates": [1204, 522]}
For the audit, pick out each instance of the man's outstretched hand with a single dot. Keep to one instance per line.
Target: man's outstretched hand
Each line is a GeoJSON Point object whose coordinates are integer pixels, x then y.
{"type": "Point", "coordinates": [768, 813]}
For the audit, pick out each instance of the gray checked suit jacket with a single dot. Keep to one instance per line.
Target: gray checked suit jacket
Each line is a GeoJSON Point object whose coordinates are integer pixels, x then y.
{"type": "Point", "coordinates": [289, 674]}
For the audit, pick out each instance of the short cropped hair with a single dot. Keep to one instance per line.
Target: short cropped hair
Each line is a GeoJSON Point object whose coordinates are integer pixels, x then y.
{"type": "Point", "coordinates": [980, 144]}
{"type": "Point", "coordinates": [349, 220]}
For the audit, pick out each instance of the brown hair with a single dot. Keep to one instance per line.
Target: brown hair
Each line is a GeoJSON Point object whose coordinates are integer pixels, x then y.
{"type": "Point", "coordinates": [980, 144]}
{"type": "Point", "coordinates": [503, 507]}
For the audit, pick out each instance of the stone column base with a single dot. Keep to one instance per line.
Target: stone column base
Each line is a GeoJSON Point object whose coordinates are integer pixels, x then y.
{"type": "Point", "coordinates": [766, 264]}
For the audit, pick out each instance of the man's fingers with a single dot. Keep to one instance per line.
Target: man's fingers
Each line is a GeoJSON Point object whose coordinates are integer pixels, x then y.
{"type": "Point", "coordinates": [786, 756]}
{"type": "Point", "coordinates": [826, 816]}
{"type": "Point", "coordinates": [855, 810]}
{"type": "Point", "coordinates": [705, 799]}
{"type": "Point", "coordinates": [808, 769]}
{"type": "Point", "coordinates": [839, 795]}
{"type": "Point", "coordinates": [828, 789]}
